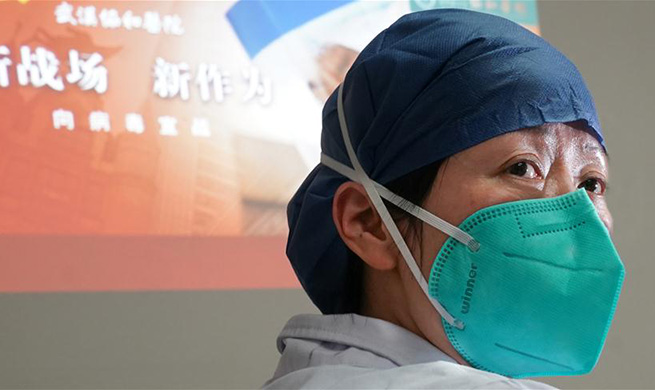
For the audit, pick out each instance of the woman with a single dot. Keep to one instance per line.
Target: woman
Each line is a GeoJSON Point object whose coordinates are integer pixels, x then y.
{"type": "Point", "coordinates": [456, 233]}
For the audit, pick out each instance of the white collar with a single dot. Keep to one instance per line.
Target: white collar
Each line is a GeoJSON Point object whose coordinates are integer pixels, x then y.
{"type": "Point", "coordinates": [380, 337]}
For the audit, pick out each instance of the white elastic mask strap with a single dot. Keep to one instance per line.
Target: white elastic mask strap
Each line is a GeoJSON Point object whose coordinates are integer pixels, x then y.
{"type": "Point", "coordinates": [359, 175]}
{"type": "Point", "coordinates": [402, 203]}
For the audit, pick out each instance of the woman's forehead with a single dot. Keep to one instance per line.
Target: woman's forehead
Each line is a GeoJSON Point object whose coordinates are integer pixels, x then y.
{"type": "Point", "coordinates": [551, 139]}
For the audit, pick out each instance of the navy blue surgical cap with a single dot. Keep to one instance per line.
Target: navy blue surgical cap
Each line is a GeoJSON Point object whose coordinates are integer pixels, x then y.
{"type": "Point", "coordinates": [432, 84]}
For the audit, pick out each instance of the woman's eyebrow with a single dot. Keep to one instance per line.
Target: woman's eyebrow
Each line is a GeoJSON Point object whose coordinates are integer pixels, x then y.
{"type": "Point", "coordinates": [592, 147]}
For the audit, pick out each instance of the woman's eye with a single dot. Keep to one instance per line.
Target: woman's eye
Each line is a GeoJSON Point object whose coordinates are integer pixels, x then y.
{"type": "Point", "coordinates": [523, 169]}
{"type": "Point", "coordinates": [593, 185]}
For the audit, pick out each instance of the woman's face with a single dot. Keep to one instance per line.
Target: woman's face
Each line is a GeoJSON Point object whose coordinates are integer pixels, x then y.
{"type": "Point", "coordinates": [548, 161]}
{"type": "Point", "coordinates": [543, 162]}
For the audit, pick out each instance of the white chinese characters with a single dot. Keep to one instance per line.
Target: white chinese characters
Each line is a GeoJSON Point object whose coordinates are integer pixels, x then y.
{"type": "Point", "coordinates": [5, 62]}
{"type": "Point", "coordinates": [110, 18]}
{"type": "Point", "coordinates": [210, 79]}
{"type": "Point", "coordinates": [258, 86]}
{"type": "Point", "coordinates": [171, 79]}
{"type": "Point", "coordinates": [63, 118]}
{"type": "Point", "coordinates": [39, 69]}
{"type": "Point", "coordinates": [100, 122]}
{"type": "Point", "coordinates": [167, 126]}
{"type": "Point", "coordinates": [86, 16]}
{"type": "Point", "coordinates": [200, 127]}
{"type": "Point", "coordinates": [134, 123]}
{"type": "Point", "coordinates": [87, 72]}
{"type": "Point", "coordinates": [64, 14]}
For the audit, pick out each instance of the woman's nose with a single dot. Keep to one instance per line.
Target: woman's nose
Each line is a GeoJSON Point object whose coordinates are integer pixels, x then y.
{"type": "Point", "coordinates": [559, 182]}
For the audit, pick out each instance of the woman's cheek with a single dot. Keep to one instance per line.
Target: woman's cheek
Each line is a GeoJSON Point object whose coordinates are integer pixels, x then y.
{"type": "Point", "coordinates": [603, 212]}
{"type": "Point", "coordinates": [490, 194]}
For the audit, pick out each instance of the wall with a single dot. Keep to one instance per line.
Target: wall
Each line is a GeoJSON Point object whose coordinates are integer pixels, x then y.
{"type": "Point", "coordinates": [612, 42]}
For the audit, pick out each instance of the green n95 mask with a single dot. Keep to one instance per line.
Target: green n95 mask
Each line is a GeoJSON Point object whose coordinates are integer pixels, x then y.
{"type": "Point", "coordinates": [538, 296]}
{"type": "Point", "coordinates": [525, 288]}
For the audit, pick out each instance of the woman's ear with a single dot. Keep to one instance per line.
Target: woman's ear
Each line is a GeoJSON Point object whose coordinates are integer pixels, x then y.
{"type": "Point", "coordinates": [361, 227]}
